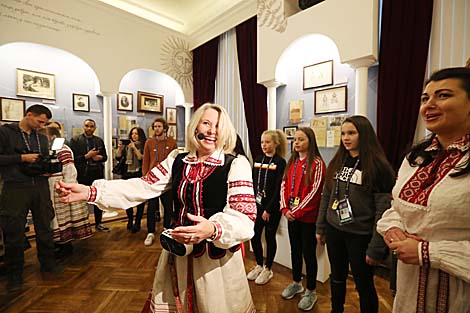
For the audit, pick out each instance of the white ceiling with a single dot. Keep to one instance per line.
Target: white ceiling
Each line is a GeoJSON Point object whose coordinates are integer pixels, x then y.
{"type": "Point", "coordinates": [184, 16]}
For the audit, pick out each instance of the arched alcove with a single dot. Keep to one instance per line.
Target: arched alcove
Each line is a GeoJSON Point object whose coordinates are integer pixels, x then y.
{"type": "Point", "coordinates": [72, 76]}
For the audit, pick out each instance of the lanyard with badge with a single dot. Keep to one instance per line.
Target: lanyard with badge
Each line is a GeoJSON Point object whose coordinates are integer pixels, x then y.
{"type": "Point", "coordinates": [294, 201]}
{"type": "Point", "coordinates": [261, 194]}
{"type": "Point", "coordinates": [343, 207]}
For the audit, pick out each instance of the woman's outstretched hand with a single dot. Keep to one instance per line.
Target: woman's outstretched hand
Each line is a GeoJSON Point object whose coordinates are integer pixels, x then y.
{"type": "Point", "coordinates": [71, 192]}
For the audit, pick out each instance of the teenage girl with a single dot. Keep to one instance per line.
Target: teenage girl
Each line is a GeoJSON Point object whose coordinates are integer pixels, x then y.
{"type": "Point", "coordinates": [268, 169]}
{"type": "Point", "coordinates": [300, 200]}
{"type": "Point", "coordinates": [357, 190]}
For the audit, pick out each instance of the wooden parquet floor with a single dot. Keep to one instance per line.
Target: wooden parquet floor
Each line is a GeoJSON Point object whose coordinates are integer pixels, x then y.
{"type": "Point", "coordinates": [113, 272]}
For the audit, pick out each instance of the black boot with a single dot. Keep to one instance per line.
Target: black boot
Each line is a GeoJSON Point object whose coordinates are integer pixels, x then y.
{"type": "Point", "coordinates": [338, 295]}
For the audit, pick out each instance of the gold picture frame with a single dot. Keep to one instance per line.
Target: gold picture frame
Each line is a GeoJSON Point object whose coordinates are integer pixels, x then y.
{"type": "Point", "coordinates": [149, 102]}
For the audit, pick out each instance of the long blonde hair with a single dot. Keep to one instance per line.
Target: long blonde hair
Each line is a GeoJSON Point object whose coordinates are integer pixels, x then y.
{"type": "Point", "coordinates": [226, 134]}
{"type": "Point", "coordinates": [279, 139]}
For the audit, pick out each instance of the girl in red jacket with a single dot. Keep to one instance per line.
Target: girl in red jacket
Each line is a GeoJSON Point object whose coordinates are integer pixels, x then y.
{"type": "Point", "coordinates": [300, 200]}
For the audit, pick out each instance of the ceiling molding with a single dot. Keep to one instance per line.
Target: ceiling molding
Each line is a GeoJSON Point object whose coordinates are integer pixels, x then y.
{"type": "Point", "coordinates": [221, 23]}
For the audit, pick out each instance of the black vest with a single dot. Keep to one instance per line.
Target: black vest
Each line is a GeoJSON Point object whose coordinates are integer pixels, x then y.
{"type": "Point", "coordinates": [205, 197]}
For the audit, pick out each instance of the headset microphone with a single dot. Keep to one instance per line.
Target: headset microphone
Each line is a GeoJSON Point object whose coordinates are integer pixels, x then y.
{"type": "Point", "coordinates": [200, 136]}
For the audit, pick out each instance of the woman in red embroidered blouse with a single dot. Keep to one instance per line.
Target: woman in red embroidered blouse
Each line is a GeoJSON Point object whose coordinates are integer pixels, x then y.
{"type": "Point", "coordinates": [300, 200]}
{"type": "Point", "coordinates": [428, 225]}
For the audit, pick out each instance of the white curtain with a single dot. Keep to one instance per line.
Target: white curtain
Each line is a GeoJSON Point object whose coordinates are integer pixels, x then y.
{"type": "Point", "coordinates": [449, 45]}
{"type": "Point", "coordinates": [228, 92]}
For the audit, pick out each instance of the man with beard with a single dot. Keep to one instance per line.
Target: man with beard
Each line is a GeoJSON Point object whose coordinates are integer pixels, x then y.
{"type": "Point", "coordinates": [90, 155]}
{"type": "Point", "coordinates": [156, 150]}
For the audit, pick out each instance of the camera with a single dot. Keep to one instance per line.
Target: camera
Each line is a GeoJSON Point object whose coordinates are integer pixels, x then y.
{"type": "Point", "coordinates": [49, 164]}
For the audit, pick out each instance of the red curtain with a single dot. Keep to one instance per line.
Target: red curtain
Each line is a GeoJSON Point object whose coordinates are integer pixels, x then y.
{"type": "Point", "coordinates": [406, 28]}
{"type": "Point", "coordinates": [204, 72]}
{"type": "Point", "coordinates": [254, 95]}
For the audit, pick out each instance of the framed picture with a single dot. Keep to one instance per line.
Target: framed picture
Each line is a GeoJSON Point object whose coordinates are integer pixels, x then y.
{"type": "Point", "coordinates": [295, 111]}
{"type": "Point", "coordinates": [124, 101]}
{"type": "Point", "coordinates": [149, 102]}
{"type": "Point", "coordinates": [171, 132]}
{"type": "Point", "coordinates": [171, 115]}
{"type": "Point", "coordinates": [81, 102]}
{"type": "Point", "coordinates": [290, 131]}
{"type": "Point", "coordinates": [35, 84]}
{"type": "Point", "coordinates": [318, 75]}
{"type": "Point", "coordinates": [12, 110]}
{"type": "Point", "coordinates": [331, 100]}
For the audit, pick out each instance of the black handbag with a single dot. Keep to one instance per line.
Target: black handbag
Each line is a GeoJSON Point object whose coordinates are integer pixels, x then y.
{"type": "Point", "coordinates": [121, 166]}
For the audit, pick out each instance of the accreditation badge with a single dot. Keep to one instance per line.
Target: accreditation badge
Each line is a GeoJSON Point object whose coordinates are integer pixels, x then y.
{"type": "Point", "coordinates": [259, 197]}
{"type": "Point", "coordinates": [344, 212]}
{"type": "Point", "coordinates": [293, 202]}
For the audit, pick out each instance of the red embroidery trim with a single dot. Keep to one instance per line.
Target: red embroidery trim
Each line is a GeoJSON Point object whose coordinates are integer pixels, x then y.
{"type": "Point", "coordinates": [423, 282]}
{"type": "Point", "coordinates": [240, 183]}
{"type": "Point", "coordinates": [425, 253]}
{"type": "Point", "coordinates": [92, 195]}
{"type": "Point", "coordinates": [442, 300]}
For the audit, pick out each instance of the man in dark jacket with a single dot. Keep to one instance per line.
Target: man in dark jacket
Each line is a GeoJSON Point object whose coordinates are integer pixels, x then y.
{"type": "Point", "coordinates": [90, 154]}
{"type": "Point", "coordinates": [22, 150]}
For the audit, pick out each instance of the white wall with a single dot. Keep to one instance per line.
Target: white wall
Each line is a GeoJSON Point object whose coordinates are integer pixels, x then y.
{"type": "Point", "coordinates": [111, 41]}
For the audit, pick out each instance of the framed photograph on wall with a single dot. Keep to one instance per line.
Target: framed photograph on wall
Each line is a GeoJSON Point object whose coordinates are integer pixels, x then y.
{"type": "Point", "coordinates": [172, 131]}
{"type": "Point", "coordinates": [81, 102]}
{"type": "Point", "coordinates": [331, 100]}
{"type": "Point", "coordinates": [124, 101]}
{"type": "Point", "coordinates": [12, 110]}
{"type": "Point", "coordinates": [35, 84]}
{"type": "Point", "coordinates": [318, 75]}
{"type": "Point", "coordinates": [149, 102]}
{"type": "Point", "coordinates": [171, 115]}
{"type": "Point", "coordinates": [289, 131]}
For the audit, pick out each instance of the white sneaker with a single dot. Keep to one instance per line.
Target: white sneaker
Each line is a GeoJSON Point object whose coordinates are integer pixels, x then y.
{"type": "Point", "coordinates": [254, 273]}
{"type": "Point", "coordinates": [264, 277]}
{"type": "Point", "coordinates": [149, 240]}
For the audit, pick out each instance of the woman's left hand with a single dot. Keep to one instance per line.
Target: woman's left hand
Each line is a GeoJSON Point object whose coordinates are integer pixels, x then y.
{"type": "Point", "coordinates": [406, 250]}
{"type": "Point", "coordinates": [203, 229]}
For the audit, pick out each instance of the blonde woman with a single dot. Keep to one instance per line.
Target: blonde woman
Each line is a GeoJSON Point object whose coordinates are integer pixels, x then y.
{"type": "Point", "coordinates": [215, 210]}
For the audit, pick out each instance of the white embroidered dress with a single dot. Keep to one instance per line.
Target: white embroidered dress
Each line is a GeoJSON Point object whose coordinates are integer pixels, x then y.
{"type": "Point", "coordinates": [220, 285]}
{"type": "Point", "coordinates": [436, 207]}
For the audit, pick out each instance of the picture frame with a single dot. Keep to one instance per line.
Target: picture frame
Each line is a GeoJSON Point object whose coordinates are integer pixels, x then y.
{"type": "Point", "coordinates": [172, 131]}
{"type": "Point", "coordinates": [80, 102]}
{"type": "Point", "coordinates": [171, 115]}
{"type": "Point", "coordinates": [331, 100]}
{"type": "Point", "coordinates": [11, 109]}
{"type": "Point", "coordinates": [125, 101]}
{"type": "Point", "coordinates": [289, 131]}
{"type": "Point", "coordinates": [35, 84]}
{"type": "Point", "coordinates": [149, 102]}
{"type": "Point", "coordinates": [318, 75]}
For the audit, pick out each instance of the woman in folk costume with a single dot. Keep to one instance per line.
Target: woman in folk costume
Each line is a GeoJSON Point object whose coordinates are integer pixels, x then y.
{"type": "Point", "coordinates": [215, 207]}
{"type": "Point", "coordinates": [71, 219]}
{"type": "Point", "coordinates": [428, 225]}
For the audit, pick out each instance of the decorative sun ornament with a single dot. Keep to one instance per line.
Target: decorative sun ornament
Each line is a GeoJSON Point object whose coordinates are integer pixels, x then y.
{"type": "Point", "coordinates": [177, 61]}
{"type": "Point", "coordinates": [271, 15]}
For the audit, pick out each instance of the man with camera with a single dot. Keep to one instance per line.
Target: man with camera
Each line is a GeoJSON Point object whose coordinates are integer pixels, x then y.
{"type": "Point", "coordinates": [90, 155]}
{"type": "Point", "coordinates": [24, 168]}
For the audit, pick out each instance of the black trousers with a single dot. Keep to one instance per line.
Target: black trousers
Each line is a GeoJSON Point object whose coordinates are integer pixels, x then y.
{"type": "Point", "coordinates": [140, 207]}
{"type": "Point", "coordinates": [16, 201]}
{"type": "Point", "coordinates": [153, 209]}
{"type": "Point", "coordinates": [344, 249]}
{"type": "Point", "coordinates": [303, 242]}
{"type": "Point", "coordinates": [270, 229]}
